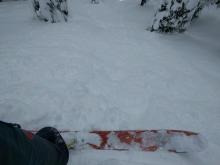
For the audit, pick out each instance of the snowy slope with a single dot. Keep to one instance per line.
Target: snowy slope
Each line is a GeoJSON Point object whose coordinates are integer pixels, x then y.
{"type": "Point", "coordinates": [103, 70]}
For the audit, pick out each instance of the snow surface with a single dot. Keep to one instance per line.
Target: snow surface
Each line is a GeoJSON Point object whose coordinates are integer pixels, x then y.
{"type": "Point", "coordinates": [103, 70]}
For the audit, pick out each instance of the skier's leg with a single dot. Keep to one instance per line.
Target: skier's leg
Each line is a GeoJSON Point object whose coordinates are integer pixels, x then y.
{"type": "Point", "coordinates": [143, 2]}
{"type": "Point", "coordinates": [24, 148]}
{"type": "Point", "coordinates": [94, 1]}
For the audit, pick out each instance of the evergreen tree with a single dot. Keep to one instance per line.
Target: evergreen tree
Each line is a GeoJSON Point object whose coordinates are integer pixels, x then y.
{"type": "Point", "coordinates": [143, 2]}
{"type": "Point", "coordinates": [176, 15]}
{"type": "Point", "coordinates": [218, 3]}
{"type": "Point", "coordinates": [201, 4]}
{"type": "Point", "coordinates": [94, 1]}
{"type": "Point", "coordinates": [50, 10]}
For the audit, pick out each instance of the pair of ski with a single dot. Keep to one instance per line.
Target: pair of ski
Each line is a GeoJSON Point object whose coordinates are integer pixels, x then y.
{"type": "Point", "coordinates": [177, 141]}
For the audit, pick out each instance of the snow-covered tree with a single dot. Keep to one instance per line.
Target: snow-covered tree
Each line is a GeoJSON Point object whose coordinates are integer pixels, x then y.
{"type": "Point", "coordinates": [211, 2]}
{"type": "Point", "coordinates": [143, 2]}
{"type": "Point", "coordinates": [201, 4]}
{"type": "Point", "coordinates": [176, 15]}
{"type": "Point", "coordinates": [217, 2]}
{"type": "Point", "coordinates": [94, 1]}
{"type": "Point", "coordinates": [50, 10]}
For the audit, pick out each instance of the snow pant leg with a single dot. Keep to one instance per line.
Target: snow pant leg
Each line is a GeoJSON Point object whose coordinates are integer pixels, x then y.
{"type": "Point", "coordinates": [23, 148]}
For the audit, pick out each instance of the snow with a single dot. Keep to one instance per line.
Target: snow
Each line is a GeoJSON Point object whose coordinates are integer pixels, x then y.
{"type": "Point", "coordinates": [103, 70]}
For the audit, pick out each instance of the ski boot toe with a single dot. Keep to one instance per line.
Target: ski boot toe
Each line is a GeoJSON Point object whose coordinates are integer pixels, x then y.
{"type": "Point", "coordinates": [52, 135]}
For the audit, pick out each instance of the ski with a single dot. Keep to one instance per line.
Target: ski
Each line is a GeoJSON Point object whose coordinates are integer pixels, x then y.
{"type": "Point", "coordinates": [177, 141]}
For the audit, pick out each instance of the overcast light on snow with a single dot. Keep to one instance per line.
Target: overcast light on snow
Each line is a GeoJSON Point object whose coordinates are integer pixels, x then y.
{"type": "Point", "coordinates": [103, 70]}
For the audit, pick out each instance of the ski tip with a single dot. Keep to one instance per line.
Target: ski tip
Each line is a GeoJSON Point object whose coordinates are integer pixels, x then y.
{"type": "Point", "coordinates": [187, 144]}
{"type": "Point", "coordinates": [203, 142]}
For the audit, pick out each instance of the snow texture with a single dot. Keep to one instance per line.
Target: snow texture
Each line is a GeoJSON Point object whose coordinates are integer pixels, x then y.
{"type": "Point", "coordinates": [103, 70]}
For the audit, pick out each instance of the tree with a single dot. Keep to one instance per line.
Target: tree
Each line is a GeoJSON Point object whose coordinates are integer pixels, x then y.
{"type": "Point", "coordinates": [143, 2]}
{"type": "Point", "coordinates": [50, 10]}
{"type": "Point", "coordinates": [176, 15]}
{"type": "Point", "coordinates": [218, 3]}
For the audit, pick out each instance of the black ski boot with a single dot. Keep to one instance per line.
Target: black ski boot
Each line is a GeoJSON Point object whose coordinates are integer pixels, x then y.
{"type": "Point", "coordinates": [52, 135]}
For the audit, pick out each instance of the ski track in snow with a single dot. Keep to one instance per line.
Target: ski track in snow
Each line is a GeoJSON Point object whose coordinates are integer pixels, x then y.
{"type": "Point", "coordinates": [103, 70]}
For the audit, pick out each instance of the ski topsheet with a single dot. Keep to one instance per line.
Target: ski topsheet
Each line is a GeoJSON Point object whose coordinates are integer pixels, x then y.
{"type": "Point", "coordinates": [136, 140]}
